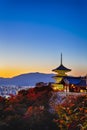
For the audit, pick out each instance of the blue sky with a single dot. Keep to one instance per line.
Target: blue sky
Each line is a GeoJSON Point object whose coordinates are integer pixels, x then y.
{"type": "Point", "coordinates": [33, 33]}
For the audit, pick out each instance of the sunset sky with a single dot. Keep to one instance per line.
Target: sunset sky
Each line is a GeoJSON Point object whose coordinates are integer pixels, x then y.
{"type": "Point", "coordinates": [33, 33]}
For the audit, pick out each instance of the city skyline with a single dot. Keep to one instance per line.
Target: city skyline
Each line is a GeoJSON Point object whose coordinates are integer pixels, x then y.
{"type": "Point", "coordinates": [34, 33]}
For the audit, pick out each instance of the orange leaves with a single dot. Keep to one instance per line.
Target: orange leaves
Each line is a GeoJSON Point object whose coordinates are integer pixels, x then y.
{"type": "Point", "coordinates": [29, 112]}
{"type": "Point", "coordinates": [61, 121]}
{"type": "Point", "coordinates": [71, 112]}
{"type": "Point", "coordinates": [80, 108]}
{"type": "Point", "coordinates": [85, 111]}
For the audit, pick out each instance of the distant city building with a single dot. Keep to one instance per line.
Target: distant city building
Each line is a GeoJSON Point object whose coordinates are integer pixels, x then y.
{"type": "Point", "coordinates": [63, 82]}
{"type": "Point", "coordinates": [8, 90]}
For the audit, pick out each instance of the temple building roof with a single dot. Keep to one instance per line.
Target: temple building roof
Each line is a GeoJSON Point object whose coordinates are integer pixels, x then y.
{"type": "Point", "coordinates": [78, 81]}
{"type": "Point", "coordinates": [82, 83]}
{"type": "Point", "coordinates": [72, 80]}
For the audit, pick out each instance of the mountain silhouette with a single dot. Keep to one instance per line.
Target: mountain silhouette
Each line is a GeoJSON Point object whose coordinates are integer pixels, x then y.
{"type": "Point", "coordinates": [28, 79]}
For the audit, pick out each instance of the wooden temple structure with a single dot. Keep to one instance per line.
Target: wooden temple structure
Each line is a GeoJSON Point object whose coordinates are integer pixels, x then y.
{"type": "Point", "coordinates": [63, 82]}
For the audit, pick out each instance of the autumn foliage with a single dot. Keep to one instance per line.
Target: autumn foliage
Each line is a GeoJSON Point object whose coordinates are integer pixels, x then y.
{"type": "Point", "coordinates": [31, 110]}
{"type": "Point", "coordinates": [72, 113]}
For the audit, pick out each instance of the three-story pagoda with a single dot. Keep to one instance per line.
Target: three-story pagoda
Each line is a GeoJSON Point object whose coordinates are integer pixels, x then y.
{"type": "Point", "coordinates": [60, 73]}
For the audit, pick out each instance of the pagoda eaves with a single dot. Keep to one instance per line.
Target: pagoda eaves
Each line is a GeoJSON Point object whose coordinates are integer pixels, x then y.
{"type": "Point", "coordinates": [61, 67]}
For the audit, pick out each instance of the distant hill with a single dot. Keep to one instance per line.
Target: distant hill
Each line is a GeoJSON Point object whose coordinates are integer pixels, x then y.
{"type": "Point", "coordinates": [28, 79]}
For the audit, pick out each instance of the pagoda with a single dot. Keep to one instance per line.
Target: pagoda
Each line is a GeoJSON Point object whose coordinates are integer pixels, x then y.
{"type": "Point", "coordinates": [60, 74]}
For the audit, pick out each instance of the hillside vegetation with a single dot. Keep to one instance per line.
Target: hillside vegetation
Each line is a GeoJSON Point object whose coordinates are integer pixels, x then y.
{"type": "Point", "coordinates": [37, 109]}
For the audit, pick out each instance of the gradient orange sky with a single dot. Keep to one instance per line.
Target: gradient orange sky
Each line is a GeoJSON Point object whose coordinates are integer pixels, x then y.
{"type": "Point", "coordinates": [33, 34]}
{"type": "Point", "coordinates": [12, 71]}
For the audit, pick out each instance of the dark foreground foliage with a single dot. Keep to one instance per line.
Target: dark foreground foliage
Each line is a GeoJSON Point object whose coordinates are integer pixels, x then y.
{"type": "Point", "coordinates": [29, 110]}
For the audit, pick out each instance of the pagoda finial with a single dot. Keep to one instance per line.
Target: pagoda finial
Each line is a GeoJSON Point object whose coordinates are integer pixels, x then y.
{"type": "Point", "coordinates": [61, 58]}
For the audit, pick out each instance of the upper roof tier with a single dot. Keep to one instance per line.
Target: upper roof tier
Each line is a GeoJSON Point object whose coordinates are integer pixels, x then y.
{"type": "Point", "coordinates": [61, 67]}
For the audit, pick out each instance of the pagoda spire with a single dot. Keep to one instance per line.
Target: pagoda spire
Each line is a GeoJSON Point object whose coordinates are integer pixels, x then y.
{"type": "Point", "coordinates": [61, 58]}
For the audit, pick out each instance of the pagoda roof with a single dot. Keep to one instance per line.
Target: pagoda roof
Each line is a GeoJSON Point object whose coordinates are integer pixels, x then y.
{"type": "Point", "coordinates": [62, 67]}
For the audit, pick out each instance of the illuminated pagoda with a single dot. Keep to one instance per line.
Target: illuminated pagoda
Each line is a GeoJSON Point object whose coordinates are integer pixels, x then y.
{"type": "Point", "coordinates": [61, 73]}
{"type": "Point", "coordinates": [63, 82]}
